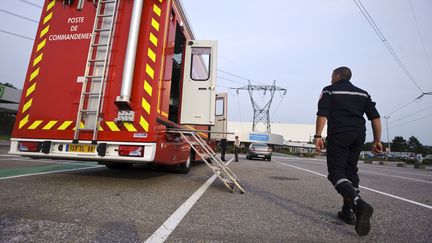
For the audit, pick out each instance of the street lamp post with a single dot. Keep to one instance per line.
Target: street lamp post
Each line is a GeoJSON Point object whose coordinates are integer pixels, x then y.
{"type": "Point", "coordinates": [388, 135]}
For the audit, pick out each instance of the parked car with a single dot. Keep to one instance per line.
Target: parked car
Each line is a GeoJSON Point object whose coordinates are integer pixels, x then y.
{"type": "Point", "coordinates": [259, 150]}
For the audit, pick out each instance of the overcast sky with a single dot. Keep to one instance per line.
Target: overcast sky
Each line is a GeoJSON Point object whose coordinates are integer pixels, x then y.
{"type": "Point", "coordinates": [298, 44]}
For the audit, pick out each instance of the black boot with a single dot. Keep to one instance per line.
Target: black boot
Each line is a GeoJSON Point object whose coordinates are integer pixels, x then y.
{"type": "Point", "coordinates": [363, 212]}
{"type": "Point", "coordinates": [347, 190]}
{"type": "Point", "coordinates": [346, 214]}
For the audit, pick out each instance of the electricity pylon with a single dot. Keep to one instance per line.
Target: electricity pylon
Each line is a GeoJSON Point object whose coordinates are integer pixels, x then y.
{"type": "Point", "coordinates": [262, 115]}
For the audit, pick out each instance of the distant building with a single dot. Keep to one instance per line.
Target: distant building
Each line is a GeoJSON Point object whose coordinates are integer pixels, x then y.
{"type": "Point", "coordinates": [289, 132]}
{"type": "Point", "coordinates": [9, 99]}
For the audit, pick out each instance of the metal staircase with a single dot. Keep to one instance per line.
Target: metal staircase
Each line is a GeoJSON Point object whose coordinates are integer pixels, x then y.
{"type": "Point", "coordinates": [225, 174]}
{"type": "Point", "coordinates": [92, 92]}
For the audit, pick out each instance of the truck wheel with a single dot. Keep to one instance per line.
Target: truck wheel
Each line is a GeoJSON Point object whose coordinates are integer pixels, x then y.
{"type": "Point", "coordinates": [118, 166]}
{"type": "Point", "coordinates": [184, 168]}
{"type": "Point", "coordinates": [269, 158]}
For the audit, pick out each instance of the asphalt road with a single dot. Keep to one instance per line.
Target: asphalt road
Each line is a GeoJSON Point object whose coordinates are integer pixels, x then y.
{"type": "Point", "coordinates": [286, 200]}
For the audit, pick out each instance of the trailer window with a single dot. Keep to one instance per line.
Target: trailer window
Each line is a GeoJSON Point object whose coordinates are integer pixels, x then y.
{"type": "Point", "coordinates": [200, 70]}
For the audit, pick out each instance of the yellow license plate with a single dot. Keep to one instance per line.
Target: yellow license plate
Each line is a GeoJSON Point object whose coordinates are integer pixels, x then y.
{"type": "Point", "coordinates": [80, 148]}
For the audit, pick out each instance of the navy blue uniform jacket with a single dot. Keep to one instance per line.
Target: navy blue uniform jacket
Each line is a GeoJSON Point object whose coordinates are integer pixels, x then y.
{"type": "Point", "coordinates": [344, 106]}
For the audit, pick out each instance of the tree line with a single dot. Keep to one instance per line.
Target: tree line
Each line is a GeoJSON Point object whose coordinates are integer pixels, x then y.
{"type": "Point", "coordinates": [399, 144]}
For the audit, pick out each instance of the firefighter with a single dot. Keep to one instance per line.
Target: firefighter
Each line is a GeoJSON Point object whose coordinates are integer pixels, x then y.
{"type": "Point", "coordinates": [343, 105]}
{"type": "Point", "coordinates": [223, 145]}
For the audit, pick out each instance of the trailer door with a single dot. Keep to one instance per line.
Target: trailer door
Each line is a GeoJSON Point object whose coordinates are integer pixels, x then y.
{"type": "Point", "coordinates": [199, 81]}
{"type": "Point", "coordinates": [220, 126]}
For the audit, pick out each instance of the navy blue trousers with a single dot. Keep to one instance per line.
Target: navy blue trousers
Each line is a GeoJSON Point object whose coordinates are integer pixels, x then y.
{"type": "Point", "coordinates": [343, 151]}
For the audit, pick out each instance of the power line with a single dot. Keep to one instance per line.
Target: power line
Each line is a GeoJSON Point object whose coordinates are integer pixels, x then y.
{"type": "Point", "coordinates": [277, 107]}
{"type": "Point", "coordinates": [404, 117]}
{"type": "Point", "coordinates": [418, 119]}
{"type": "Point", "coordinates": [238, 76]}
{"type": "Point", "coordinates": [421, 36]}
{"type": "Point", "coordinates": [19, 16]}
{"type": "Point", "coordinates": [17, 35]}
{"type": "Point", "coordinates": [403, 106]}
{"type": "Point", "coordinates": [30, 3]}
{"type": "Point", "coordinates": [227, 79]}
{"type": "Point", "coordinates": [386, 43]}
{"type": "Point", "coordinates": [221, 86]}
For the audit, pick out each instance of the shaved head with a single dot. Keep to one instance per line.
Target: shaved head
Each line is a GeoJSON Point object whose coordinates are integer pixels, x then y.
{"type": "Point", "coordinates": [343, 72]}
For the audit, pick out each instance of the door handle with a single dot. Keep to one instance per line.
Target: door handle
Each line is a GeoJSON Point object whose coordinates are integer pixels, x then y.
{"type": "Point", "coordinates": [202, 88]}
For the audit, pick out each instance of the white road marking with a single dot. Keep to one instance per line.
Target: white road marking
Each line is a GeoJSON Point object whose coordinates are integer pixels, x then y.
{"type": "Point", "coordinates": [296, 158]}
{"type": "Point", "coordinates": [162, 233]}
{"type": "Point", "coordinates": [363, 187]}
{"type": "Point", "coordinates": [388, 169]}
{"type": "Point", "coordinates": [395, 176]}
{"type": "Point", "coordinates": [310, 171]}
{"type": "Point", "coordinates": [48, 172]}
{"type": "Point", "coordinates": [401, 170]}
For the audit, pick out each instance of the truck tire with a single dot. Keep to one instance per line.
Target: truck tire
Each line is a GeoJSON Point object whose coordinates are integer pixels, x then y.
{"type": "Point", "coordinates": [118, 166]}
{"type": "Point", "coordinates": [184, 168]}
{"type": "Point", "coordinates": [269, 158]}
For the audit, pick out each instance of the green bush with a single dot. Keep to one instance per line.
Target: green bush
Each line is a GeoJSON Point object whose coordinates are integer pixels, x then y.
{"type": "Point", "coordinates": [6, 124]}
{"type": "Point", "coordinates": [427, 161]}
{"type": "Point", "coordinates": [230, 149]}
{"type": "Point", "coordinates": [310, 155]}
{"type": "Point", "coordinates": [410, 161]}
{"type": "Point", "coordinates": [394, 159]}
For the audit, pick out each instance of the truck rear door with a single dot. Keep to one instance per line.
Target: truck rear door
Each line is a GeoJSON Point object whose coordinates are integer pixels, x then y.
{"type": "Point", "coordinates": [199, 81]}
{"type": "Point", "coordinates": [220, 126]}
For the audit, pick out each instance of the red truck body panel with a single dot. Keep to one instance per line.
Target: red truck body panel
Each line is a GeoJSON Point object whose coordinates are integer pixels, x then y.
{"type": "Point", "coordinates": [51, 92]}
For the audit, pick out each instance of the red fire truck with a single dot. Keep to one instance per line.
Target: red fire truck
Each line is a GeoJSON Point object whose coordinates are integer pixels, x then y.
{"type": "Point", "coordinates": [108, 80]}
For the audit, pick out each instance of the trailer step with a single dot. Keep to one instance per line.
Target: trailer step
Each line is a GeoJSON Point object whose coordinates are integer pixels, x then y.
{"type": "Point", "coordinates": [85, 129]}
{"type": "Point", "coordinates": [102, 30]}
{"type": "Point", "coordinates": [88, 111]}
{"type": "Point", "coordinates": [93, 77]}
{"type": "Point", "coordinates": [98, 45]}
{"type": "Point", "coordinates": [219, 168]}
{"type": "Point", "coordinates": [105, 15]}
{"type": "Point", "coordinates": [91, 93]}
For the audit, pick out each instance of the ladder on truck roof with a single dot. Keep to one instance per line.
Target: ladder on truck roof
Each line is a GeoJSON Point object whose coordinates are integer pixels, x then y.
{"type": "Point", "coordinates": [93, 87]}
{"type": "Point", "coordinates": [225, 174]}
